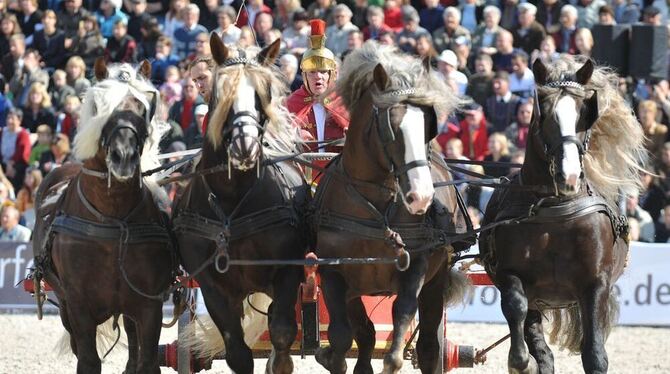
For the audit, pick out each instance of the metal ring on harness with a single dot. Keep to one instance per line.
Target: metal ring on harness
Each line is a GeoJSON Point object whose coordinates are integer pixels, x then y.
{"type": "Point", "coordinates": [219, 268]}
{"type": "Point", "coordinates": [403, 260]}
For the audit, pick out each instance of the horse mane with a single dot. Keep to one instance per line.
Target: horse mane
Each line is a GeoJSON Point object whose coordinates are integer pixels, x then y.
{"type": "Point", "coordinates": [404, 71]}
{"type": "Point", "coordinates": [281, 137]}
{"type": "Point", "coordinates": [616, 151]}
{"type": "Point", "coordinates": [99, 103]}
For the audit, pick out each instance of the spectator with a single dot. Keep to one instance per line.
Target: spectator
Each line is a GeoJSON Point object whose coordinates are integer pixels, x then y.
{"type": "Point", "coordinates": [89, 43]}
{"type": "Point", "coordinates": [393, 15]}
{"type": "Point", "coordinates": [185, 36]}
{"type": "Point", "coordinates": [163, 59]}
{"type": "Point", "coordinates": [547, 52]}
{"type": "Point", "coordinates": [150, 34]}
{"type": "Point", "coordinates": [448, 65]}
{"type": "Point", "coordinates": [517, 132]}
{"type": "Point", "coordinates": [406, 38]}
{"type": "Point", "coordinates": [69, 20]}
{"type": "Point", "coordinates": [321, 9]}
{"type": "Point", "coordinates": [122, 47]}
{"type": "Point", "coordinates": [354, 41]}
{"type": "Point", "coordinates": [208, 14]}
{"type": "Point", "coordinates": [606, 16]}
{"type": "Point", "coordinates": [587, 12]}
{"type": "Point", "coordinates": [288, 65]}
{"type": "Point", "coordinates": [296, 36]}
{"type": "Point", "coordinates": [485, 35]}
{"type": "Point", "coordinates": [50, 42]}
{"type": "Point", "coordinates": [431, 15]}
{"type": "Point", "coordinates": [10, 230]}
{"type": "Point", "coordinates": [262, 26]}
{"type": "Point", "coordinates": [502, 59]}
{"type": "Point", "coordinates": [138, 15]}
{"type": "Point", "coordinates": [182, 112]}
{"type": "Point", "coordinates": [509, 16]}
{"type": "Point", "coordinates": [633, 210]}
{"type": "Point", "coordinates": [465, 60]}
{"type": "Point", "coordinates": [656, 133]}
{"type": "Point", "coordinates": [473, 133]}
{"type": "Point", "coordinates": [31, 73]}
{"type": "Point", "coordinates": [663, 227]}
{"type": "Point", "coordinates": [58, 155]}
{"type": "Point", "coordinates": [25, 199]}
{"type": "Point", "coordinates": [30, 19]}
{"type": "Point", "coordinates": [498, 152]}
{"type": "Point", "coordinates": [38, 109]}
{"type": "Point", "coordinates": [360, 11]}
{"type": "Point", "coordinates": [453, 150]}
{"type": "Point", "coordinates": [5, 102]}
{"type": "Point", "coordinates": [247, 38]}
{"type": "Point", "coordinates": [9, 26]}
{"type": "Point", "coordinates": [424, 48]}
{"type": "Point", "coordinates": [584, 42]}
{"type": "Point", "coordinates": [529, 34]}
{"type": "Point", "coordinates": [193, 134]}
{"type": "Point", "coordinates": [337, 35]}
{"type": "Point", "coordinates": [501, 108]}
{"type": "Point", "coordinates": [69, 118]}
{"type": "Point", "coordinates": [249, 13]}
{"type": "Point", "coordinates": [283, 12]}
{"type": "Point", "coordinates": [386, 38]}
{"type": "Point", "coordinates": [15, 148]}
{"type": "Point", "coordinates": [170, 89]}
{"type": "Point", "coordinates": [628, 12]}
{"type": "Point", "coordinates": [444, 36]}
{"type": "Point", "coordinates": [633, 229]}
{"type": "Point", "coordinates": [173, 17]}
{"type": "Point", "coordinates": [549, 13]}
{"type": "Point", "coordinates": [471, 14]}
{"type": "Point", "coordinates": [227, 31]}
{"type": "Point", "coordinates": [376, 25]}
{"type": "Point", "coordinates": [565, 36]}
{"type": "Point", "coordinates": [651, 15]}
{"type": "Point", "coordinates": [12, 61]}
{"type": "Point", "coordinates": [110, 12]}
{"type": "Point", "coordinates": [43, 143]}
{"type": "Point", "coordinates": [76, 75]}
{"type": "Point", "coordinates": [522, 80]}
{"type": "Point", "coordinates": [480, 84]}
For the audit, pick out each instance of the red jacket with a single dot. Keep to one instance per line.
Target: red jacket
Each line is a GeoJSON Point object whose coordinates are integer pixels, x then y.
{"type": "Point", "coordinates": [243, 20]}
{"type": "Point", "coordinates": [480, 139]}
{"type": "Point", "coordinates": [23, 147]}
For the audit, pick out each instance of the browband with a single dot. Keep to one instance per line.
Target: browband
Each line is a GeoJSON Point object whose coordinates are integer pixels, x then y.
{"type": "Point", "coordinates": [239, 61]}
{"type": "Point", "coordinates": [571, 84]}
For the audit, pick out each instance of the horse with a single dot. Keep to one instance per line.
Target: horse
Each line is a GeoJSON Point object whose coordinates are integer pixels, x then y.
{"type": "Point", "coordinates": [101, 236]}
{"type": "Point", "coordinates": [377, 199]}
{"type": "Point", "coordinates": [241, 207]}
{"type": "Point", "coordinates": [559, 244]}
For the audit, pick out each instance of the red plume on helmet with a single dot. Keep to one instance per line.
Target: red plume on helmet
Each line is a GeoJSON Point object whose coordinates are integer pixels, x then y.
{"type": "Point", "coordinates": [318, 26]}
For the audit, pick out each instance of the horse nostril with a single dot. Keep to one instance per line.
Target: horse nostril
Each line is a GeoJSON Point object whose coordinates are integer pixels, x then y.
{"type": "Point", "coordinates": [116, 156]}
{"type": "Point", "coordinates": [411, 197]}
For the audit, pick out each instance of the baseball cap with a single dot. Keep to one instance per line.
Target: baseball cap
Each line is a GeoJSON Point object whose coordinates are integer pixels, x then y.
{"type": "Point", "coordinates": [448, 57]}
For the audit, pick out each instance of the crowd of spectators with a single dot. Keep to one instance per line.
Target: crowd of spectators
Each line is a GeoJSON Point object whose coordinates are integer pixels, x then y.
{"type": "Point", "coordinates": [483, 48]}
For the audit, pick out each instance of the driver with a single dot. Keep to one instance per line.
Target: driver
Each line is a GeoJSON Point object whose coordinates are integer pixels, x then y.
{"type": "Point", "coordinates": [201, 71]}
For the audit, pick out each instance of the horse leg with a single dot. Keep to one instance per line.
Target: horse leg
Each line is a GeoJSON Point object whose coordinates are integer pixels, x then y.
{"type": "Point", "coordinates": [404, 310]}
{"type": "Point", "coordinates": [364, 334]}
{"type": "Point", "coordinates": [282, 324]}
{"type": "Point", "coordinates": [227, 315]}
{"type": "Point", "coordinates": [514, 306]}
{"type": "Point", "coordinates": [84, 330]}
{"type": "Point", "coordinates": [594, 309]}
{"type": "Point", "coordinates": [149, 330]}
{"type": "Point", "coordinates": [431, 310]}
{"type": "Point", "coordinates": [340, 335]}
{"type": "Point", "coordinates": [536, 344]}
{"type": "Point", "coordinates": [66, 323]}
{"type": "Point", "coordinates": [133, 347]}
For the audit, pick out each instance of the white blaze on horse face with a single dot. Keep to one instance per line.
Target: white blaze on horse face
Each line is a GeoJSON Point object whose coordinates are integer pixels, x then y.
{"type": "Point", "coordinates": [566, 111]}
{"type": "Point", "coordinates": [421, 191]}
{"type": "Point", "coordinates": [246, 102]}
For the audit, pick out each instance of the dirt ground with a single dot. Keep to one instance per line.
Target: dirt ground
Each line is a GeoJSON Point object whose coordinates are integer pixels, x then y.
{"type": "Point", "coordinates": [27, 346]}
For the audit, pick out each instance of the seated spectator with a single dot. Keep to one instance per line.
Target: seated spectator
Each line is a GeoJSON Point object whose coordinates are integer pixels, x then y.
{"type": "Point", "coordinates": [122, 47]}
{"type": "Point", "coordinates": [471, 14]}
{"type": "Point", "coordinates": [321, 9]}
{"type": "Point", "coordinates": [58, 155]}
{"type": "Point", "coordinates": [485, 35]}
{"type": "Point", "coordinates": [59, 90]}
{"type": "Point", "coordinates": [69, 19]}
{"type": "Point", "coordinates": [163, 59]}
{"type": "Point", "coordinates": [248, 14]}
{"type": "Point", "coordinates": [522, 80]}
{"type": "Point", "coordinates": [185, 36]}
{"type": "Point", "coordinates": [509, 14]}
{"type": "Point", "coordinates": [23, 80]}
{"type": "Point", "coordinates": [354, 41]}
{"type": "Point", "coordinates": [406, 38]}
{"type": "Point", "coordinates": [109, 13]}
{"type": "Point", "coordinates": [136, 17]}
{"type": "Point", "coordinates": [69, 118]}
{"type": "Point", "coordinates": [425, 49]}
{"type": "Point", "coordinates": [15, 148]}
{"type": "Point", "coordinates": [447, 64]}
{"type": "Point", "coordinates": [480, 84]}
{"type": "Point", "coordinates": [547, 53]}
{"type": "Point", "coordinates": [76, 75]}
{"type": "Point", "coordinates": [386, 38]}
{"type": "Point", "coordinates": [38, 109]}
{"type": "Point", "coordinates": [43, 144]}
{"type": "Point", "coordinates": [517, 132]}
{"type": "Point", "coordinates": [646, 224]}
{"type": "Point", "coordinates": [587, 12]}
{"type": "Point", "coordinates": [501, 108]}
{"type": "Point", "coordinates": [529, 34]}
{"type": "Point", "coordinates": [10, 230]}
{"type": "Point", "coordinates": [628, 12]}
{"type": "Point", "coordinates": [50, 42]}
{"type": "Point", "coordinates": [656, 133]}
{"type": "Point", "coordinates": [150, 33]}
{"type": "Point", "coordinates": [453, 150]}
{"type": "Point", "coordinates": [466, 64]}
{"type": "Point", "coordinates": [444, 36]}
{"type": "Point", "coordinates": [584, 42]}
{"type": "Point", "coordinates": [549, 13]}
{"type": "Point", "coordinates": [30, 19]}
{"type": "Point", "coordinates": [498, 152]}
{"type": "Point", "coordinates": [651, 15]}
{"type": "Point", "coordinates": [473, 133]}
{"type": "Point", "coordinates": [431, 15]}
{"type": "Point", "coordinates": [5, 102]}
{"type": "Point", "coordinates": [376, 25]}
{"type": "Point", "coordinates": [296, 36]}
{"type": "Point", "coordinates": [5, 198]}
{"type": "Point", "coordinates": [193, 134]}
{"type": "Point", "coordinates": [227, 31]}
{"type": "Point", "coordinates": [337, 34]}
{"type": "Point", "coordinates": [12, 61]}
{"type": "Point", "coordinates": [288, 65]}
{"type": "Point", "coordinates": [173, 17]}
{"type": "Point", "coordinates": [208, 13]}
{"type": "Point", "coordinates": [89, 43]}
{"type": "Point", "coordinates": [182, 112]}
{"type": "Point", "coordinates": [171, 89]}
{"type": "Point", "coordinates": [25, 198]}
{"type": "Point", "coordinates": [502, 59]}
{"type": "Point", "coordinates": [360, 11]}
{"type": "Point", "coordinates": [246, 38]}
{"type": "Point", "coordinates": [663, 227]}
{"type": "Point", "coordinates": [606, 16]}
{"type": "Point", "coordinates": [565, 36]}
{"type": "Point", "coordinates": [262, 26]}
{"type": "Point", "coordinates": [9, 26]}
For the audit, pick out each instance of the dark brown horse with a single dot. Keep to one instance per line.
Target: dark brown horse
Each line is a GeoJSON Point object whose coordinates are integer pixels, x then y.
{"type": "Point", "coordinates": [101, 240]}
{"type": "Point", "coordinates": [378, 200]}
{"type": "Point", "coordinates": [251, 211]}
{"type": "Point", "coordinates": [569, 245]}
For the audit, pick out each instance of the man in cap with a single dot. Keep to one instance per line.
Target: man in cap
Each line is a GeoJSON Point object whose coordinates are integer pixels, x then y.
{"type": "Point", "coordinates": [447, 64]}
{"type": "Point", "coordinates": [320, 113]}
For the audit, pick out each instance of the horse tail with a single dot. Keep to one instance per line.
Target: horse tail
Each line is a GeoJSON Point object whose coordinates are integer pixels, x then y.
{"type": "Point", "coordinates": [566, 324]}
{"type": "Point", "coordinates": [202, 337]}
{"type": "Point", "coordinates": [107, 336]}
{"type": "Point", "coordinates": [459, 288]}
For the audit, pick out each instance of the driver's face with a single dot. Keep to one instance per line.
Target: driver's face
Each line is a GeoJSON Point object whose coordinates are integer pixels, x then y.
{"type": "Point", "coordinates": [318, 81]}
{"type": "Point", "coordinates": [202, 77]}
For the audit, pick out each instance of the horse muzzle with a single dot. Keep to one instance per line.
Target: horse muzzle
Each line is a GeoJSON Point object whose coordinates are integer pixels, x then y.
{"type": "Point", "coordinates": [122, 165]}
{"type": "Point", "coordinates": [420, 195]}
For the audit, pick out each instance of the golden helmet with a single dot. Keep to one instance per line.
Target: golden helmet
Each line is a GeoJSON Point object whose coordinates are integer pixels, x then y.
{"type": "Point", "coordinates": [318, 57]}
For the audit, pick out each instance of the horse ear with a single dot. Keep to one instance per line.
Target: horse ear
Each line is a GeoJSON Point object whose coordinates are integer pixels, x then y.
{"type": "Point", "coordinates": [592, 104]}
{"type": "Point", "coordinates": [268, 55]}
{"type": "Point", "coordinates": [426, 63]}
{"type": "Point", "coordinates": [540, 72]}
{"type": "Point", "coordinates": [584, 73]}
{"type": "Point", "coordinates": [380, 77]}
{"type": "Point", "coordinates": [219, 50]}
{"type": "Point", "coordinates": [145, 69]}
{"type": "Point", "coordinates": [100, 69]}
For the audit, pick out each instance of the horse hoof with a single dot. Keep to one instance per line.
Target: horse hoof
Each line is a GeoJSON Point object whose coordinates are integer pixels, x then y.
{"type": "Point", "coordinates": [531, 368]}
{"type": "Point", "coordinates": [322, 356]}
{"type": "Point", "coordinates": [363, 369]}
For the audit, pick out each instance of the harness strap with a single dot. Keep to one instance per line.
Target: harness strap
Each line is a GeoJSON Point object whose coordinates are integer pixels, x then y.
{"type": "Point", "coordinates": [85, 229]}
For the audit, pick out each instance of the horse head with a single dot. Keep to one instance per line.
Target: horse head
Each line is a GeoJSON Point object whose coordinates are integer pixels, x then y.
{"type": "Point", "coordinates": [565, 110]}
{"type": "Point", "coordinates": [240, 97]}
{"type": "Point", "coordinates": [404, 130]}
